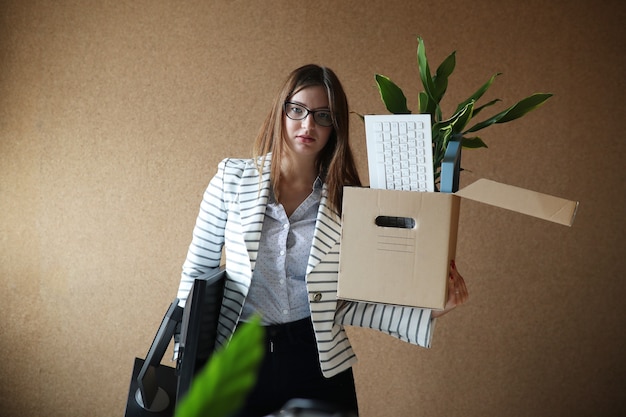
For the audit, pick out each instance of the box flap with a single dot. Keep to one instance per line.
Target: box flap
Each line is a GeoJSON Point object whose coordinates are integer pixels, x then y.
{"type": "Point", "coordinates": [532, 203]}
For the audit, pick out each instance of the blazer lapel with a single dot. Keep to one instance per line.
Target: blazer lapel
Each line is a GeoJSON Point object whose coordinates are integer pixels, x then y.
{"type": "Point", "coordinates": [253, 197]}
{"type": "Point", "coordinates": [327, 232]}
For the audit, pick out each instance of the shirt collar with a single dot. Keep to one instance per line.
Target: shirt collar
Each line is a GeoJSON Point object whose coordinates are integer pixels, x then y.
{"type": "Point", "coordinates": [318, 183]}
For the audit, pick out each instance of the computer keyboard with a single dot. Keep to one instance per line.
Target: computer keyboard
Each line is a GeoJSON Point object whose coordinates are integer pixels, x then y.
{"type": "Point", "coordinates": [399, 152]}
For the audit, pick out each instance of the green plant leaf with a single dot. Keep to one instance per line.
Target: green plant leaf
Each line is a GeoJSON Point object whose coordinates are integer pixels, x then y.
{"type": "Point", "coordinates": [524, 106]}
{"type": "Point", "coordinates": [514, 112]}
{"type": "Point", "coordinates": [484, 106]}
{"type": "Point", "coordinates": [479, 93]}
{"type": "Point", "coordinates": [462, 117]}
{"type": "Point", "coordinates": [426, 105]}
{"type": "Point", "coordinates": [457, 122]}
{"type": "Point", "coordinates": [473, 143]}
{"type": "Point", "coordinates": [422, 63]}
{"type": "Point", "coordinates": [441, 132]}
{"type": "Point", "coordinates": [222, 385]}
{"type": "Point", "coordinates": [440, 79]}
{"type": "Point", "coordinates": [391, 95]}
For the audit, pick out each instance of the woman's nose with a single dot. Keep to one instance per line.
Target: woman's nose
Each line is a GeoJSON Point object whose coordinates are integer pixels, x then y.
{"type": "Point", "coordinates": [308, 121]}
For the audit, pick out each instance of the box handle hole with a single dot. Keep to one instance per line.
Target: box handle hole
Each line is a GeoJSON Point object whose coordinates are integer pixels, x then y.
{"type": "Point", "coordinates": [395, 221]}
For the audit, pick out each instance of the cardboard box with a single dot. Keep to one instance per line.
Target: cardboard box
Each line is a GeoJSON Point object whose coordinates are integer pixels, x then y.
{"type": "Point", "coordinates": [396, 246]}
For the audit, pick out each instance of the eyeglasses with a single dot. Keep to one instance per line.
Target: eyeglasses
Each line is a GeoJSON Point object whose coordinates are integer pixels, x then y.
{"type": "Point", "coordinates": [298, 112]}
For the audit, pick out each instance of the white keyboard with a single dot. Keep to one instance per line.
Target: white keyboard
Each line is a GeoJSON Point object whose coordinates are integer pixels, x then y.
{"type": "Point", "coordinates": [399, 152]}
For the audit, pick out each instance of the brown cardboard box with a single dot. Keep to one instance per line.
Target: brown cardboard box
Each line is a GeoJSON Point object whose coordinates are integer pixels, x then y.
{"type": "Point", "coordinates": [396, 246]}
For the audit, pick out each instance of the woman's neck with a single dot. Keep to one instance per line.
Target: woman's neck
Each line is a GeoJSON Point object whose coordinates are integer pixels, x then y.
{"type": "Point", "coordinates": [298, 171]}
{"type": "Point", "coordinates": [296, 183]}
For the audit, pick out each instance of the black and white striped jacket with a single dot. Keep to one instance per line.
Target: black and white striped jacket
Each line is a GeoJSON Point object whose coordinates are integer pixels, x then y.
{"type": "Point", "coordinates": [231, 218]}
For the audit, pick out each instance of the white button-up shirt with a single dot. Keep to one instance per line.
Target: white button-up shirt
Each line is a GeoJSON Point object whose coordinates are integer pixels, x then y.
{"type": "Point", "coordinates": [278, 290]}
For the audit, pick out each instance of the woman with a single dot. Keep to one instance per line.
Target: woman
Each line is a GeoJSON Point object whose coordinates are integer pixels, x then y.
{"type": "Point", "coordinates": [277, 217]}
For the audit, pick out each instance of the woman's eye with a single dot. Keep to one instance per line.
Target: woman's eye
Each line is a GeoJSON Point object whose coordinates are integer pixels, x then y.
{"type": "Point", "coordinates": [324, 115]}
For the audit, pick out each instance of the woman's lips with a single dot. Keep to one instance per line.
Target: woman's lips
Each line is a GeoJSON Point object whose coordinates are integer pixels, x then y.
{"type": "Point", "coordinates": [306, 139]}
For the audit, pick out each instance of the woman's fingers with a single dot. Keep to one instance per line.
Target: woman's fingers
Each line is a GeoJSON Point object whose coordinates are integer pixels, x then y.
{"type": "Point", "coordinates": [459, 288]}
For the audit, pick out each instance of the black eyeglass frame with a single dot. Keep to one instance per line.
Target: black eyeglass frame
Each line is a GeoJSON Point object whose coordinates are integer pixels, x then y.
{"type": "Point", "coordinates": [309, 111]}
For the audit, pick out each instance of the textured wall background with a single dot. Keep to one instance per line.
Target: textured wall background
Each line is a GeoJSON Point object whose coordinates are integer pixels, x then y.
{"type": "Point", "coordinates": [114, 115]}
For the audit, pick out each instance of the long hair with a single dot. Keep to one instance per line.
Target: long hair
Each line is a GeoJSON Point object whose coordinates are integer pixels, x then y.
{"type": "Point", "coordinates": [335, 162]}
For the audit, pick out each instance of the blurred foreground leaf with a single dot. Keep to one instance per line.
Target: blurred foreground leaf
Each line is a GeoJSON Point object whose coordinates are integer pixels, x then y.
{"type": "Point", "coordinates": [220, 388]}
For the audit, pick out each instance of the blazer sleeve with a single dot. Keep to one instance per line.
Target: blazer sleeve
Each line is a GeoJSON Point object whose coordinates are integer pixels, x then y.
{"type": "Point", "coordinates": [409, 324]}
{"type": "Point", "coordinates": [205, 250]}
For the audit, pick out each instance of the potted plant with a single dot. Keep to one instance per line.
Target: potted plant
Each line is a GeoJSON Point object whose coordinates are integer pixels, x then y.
{"type": "Point", "coordinates": [457, 126]}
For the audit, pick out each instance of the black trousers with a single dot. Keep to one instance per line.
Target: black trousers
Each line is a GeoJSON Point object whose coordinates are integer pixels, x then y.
{"type": "Point", "coordinates": [291, 369]}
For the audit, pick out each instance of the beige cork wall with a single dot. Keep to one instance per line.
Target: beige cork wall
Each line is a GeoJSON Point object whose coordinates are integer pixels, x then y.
{"type": "Point", "coordinates": [114, 115]}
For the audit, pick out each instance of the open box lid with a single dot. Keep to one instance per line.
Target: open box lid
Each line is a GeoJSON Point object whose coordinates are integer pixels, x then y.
{"type": "Point", "coordinates": [520, 200]}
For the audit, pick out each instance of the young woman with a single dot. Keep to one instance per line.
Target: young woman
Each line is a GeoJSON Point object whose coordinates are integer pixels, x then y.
{"type": "Point", "coordinates": [277, 218]}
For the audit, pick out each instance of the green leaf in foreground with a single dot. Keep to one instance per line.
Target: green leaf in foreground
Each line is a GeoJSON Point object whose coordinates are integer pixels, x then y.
{"type": "Point", "coordinates": [221, 387]}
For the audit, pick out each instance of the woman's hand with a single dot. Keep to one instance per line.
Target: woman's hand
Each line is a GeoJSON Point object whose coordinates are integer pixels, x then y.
{"type": "Point", "coordinates": [457, 292]}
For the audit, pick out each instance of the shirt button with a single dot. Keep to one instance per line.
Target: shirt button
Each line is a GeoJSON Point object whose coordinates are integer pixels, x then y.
{"type": "Point", "coordinates": [285, 226]}
{"type": "Point", "coordinates": [317, 297]}
{"type": "Point", "coordinates": [285, 312]}
{"type": "Point", "coordinates": [282, 281]}
{"type": "Point", "coordinates": [282, 252]}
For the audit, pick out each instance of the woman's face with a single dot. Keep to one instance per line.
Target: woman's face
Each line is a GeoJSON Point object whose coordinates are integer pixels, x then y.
{"type": "Point", "coordinates": [306, 137]}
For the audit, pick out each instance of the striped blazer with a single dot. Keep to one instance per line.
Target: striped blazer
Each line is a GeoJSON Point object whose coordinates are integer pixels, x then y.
{"type": "Point", "coordinates": [230, 222]}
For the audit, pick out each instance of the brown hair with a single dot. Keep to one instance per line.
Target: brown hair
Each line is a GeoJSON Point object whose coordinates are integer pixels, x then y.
{"type": "Point", "coordinates": [335, 163]}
